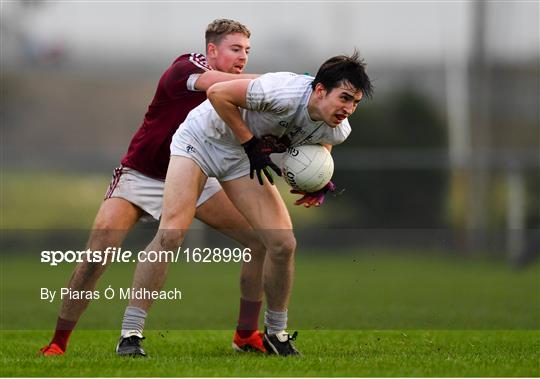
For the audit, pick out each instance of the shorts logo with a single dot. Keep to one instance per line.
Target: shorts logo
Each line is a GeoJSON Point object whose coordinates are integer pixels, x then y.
{"type": "Point", "coordinates": [190, 149]}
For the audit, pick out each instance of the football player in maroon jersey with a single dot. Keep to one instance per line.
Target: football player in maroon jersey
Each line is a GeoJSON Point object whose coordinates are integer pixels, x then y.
{"type": "Point", "coordinates": [136, 190]}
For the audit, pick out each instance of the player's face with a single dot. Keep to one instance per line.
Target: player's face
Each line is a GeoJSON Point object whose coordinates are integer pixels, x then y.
{"type": "Point", "coordinates": [231, 55]}
{"type": "Point", "coordinates": [338, 104]}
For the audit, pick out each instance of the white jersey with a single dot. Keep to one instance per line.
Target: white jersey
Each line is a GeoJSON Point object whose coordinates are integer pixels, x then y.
{"type": "Point", "coordinates": [277, 105]}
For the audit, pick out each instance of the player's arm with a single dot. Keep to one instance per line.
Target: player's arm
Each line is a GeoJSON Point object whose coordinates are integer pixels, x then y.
{"type": "Point", "coordinates": [211, 77]}
{"type": "Point", "coordinates": [226, 97]}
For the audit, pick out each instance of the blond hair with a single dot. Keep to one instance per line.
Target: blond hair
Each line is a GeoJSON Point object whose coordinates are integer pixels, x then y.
{"type": "Point", "coordinates": [219, 28]}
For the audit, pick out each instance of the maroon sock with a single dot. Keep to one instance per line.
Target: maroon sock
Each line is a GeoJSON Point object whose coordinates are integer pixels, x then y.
{"type": "Point", "coordinates": [248, 321]}
{"type": "Point", "coordinates": [62, 332]}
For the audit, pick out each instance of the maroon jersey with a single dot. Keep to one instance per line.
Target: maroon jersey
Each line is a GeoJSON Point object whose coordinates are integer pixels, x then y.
{"type": "Point", "coordinates": [149, 149]}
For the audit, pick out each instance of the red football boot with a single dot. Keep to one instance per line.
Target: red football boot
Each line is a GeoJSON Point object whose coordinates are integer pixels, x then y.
{"type": "Point", "coordinates": [253, 343]}
{"type": "Point", "coordinates": [51, 349]}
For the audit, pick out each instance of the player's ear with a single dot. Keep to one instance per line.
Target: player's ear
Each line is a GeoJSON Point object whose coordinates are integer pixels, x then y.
{"type": "Point", "coordinates": [320, 90]}
{"type": "Point", "coordinates": [211, 50]}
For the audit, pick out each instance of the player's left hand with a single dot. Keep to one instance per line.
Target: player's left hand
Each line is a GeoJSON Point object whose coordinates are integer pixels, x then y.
{"type": "Point", "coordinates": [314, 199]}
{"type": "Point", "coordinates": [258, 151]}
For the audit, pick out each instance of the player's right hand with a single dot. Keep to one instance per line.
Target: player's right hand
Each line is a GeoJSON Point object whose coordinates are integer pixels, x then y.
{"type": "Point", "coordinates": [258, 151]}
{"type": "Point", "coordinates": [277, 144]}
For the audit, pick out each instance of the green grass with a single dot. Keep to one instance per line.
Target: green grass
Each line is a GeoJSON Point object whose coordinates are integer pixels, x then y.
{"type": "Point", "coordinates": [56, 200]}
{"type": "Point", "coordinates": [37, 200]}
{"type": "Point", "coordinates": [325, 353]}
{"type": "Point", "coordinates": [71, 200]}
{"type": "Point", "coordinates": [359, 314]}
{"type": "Point", "coordinates": [346, 290]}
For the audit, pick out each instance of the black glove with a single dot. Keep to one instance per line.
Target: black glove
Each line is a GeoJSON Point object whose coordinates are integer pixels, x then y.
{"type": "Point", "coordinates": [278, 145]}
{"type": "Point", "coordinates": [258, 151]}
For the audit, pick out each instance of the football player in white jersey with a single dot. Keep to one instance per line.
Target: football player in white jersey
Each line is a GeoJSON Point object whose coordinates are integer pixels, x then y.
{"type": "Point", "coordinates": [231, 135]}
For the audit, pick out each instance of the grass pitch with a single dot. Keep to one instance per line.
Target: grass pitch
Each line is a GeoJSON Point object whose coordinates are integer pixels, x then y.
{"type": "Point", "coordinates": [360, 313]}
{"type": "Point", "coordinates": [391, 316]}
{"type": "Point", "coordinates": [325, 353]}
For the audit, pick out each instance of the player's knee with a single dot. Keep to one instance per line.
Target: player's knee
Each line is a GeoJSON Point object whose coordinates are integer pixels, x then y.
{"type": "Point", "coordinates": [256, 248]}
{"type": "Point", "coordinates": [103, 224]}
{"type": "Point", "coordinates": [103, 236]}
{"type": "Point", "coordinates": [170, 239]}
{"type": "Point", "coordinates": [282, 249]}
{"type": "Point", "coordinates": [108, 221]}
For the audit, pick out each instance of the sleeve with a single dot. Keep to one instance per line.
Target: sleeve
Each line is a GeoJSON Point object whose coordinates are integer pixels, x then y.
{"type": "Point", "coordinates": [338, 134]}
{"type": "Point", "coordinates": [183, 74]}
{"type": "Point", "coordinates": [267, 93]}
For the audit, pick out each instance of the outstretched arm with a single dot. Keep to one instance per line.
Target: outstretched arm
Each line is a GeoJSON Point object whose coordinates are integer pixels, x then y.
{"type": "Point", "coordinates": [207, 79]}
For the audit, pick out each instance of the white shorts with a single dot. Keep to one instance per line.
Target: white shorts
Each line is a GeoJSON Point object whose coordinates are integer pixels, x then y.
{"type": "Point", "coordinates": [146, 192]}
{"type": "Point", "coordinates": [216, 159]}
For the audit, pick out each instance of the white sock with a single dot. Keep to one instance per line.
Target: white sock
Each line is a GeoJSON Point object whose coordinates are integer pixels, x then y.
{"type": "Point", "coordinates": [275, 321]}
{"type": "Point", "coordinates": [133, 322]}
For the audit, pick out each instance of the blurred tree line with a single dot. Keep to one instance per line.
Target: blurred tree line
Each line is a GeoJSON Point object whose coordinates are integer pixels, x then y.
{"type": "Point", "coordinates": [395, 197]}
